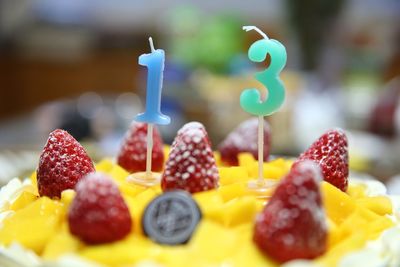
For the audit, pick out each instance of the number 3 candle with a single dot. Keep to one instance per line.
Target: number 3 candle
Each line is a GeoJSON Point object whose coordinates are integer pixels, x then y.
{"type": "Point", "coordinates": [152, 115]}
{"type": "Point", "coordinates": [250, 99]}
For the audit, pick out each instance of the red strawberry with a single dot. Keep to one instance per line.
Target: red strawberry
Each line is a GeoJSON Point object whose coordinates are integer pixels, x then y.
{"type": "Point", "coordinates": [132, 156]}
{"type": "Point", "coordinates": [62, 164]}
{"type": "Point", "coordinates": [244, 139]}
{"type": "Point", "coordinates": [191, 164]}
{"type": "Point", "coordinates": [331, 153]}
{"type": "Point", "coordinates": [98, 214]}
{"type": "Point", "coordinates": [292, 224]}
{"type": "Point", "coordinates": [189, 126]}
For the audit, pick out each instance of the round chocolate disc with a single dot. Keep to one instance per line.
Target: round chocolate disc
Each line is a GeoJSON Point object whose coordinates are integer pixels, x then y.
{"type": "Point", "coordinates": [171, 218]}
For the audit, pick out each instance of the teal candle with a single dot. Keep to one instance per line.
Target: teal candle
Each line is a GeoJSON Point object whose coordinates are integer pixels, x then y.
{"type": "Point", "coordinates": [250, 99]}
{"type": "Point", "coordinates": [155, 66]}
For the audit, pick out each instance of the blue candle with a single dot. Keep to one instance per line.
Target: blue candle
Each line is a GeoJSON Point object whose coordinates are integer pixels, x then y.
{"type": "Point", "coordinates": [155, 66]}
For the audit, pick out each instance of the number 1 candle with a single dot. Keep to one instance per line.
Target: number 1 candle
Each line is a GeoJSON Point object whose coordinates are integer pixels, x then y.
{"type": "Point", "coordinates": [152, 115]}
{"type": "Point", "coordinates": [250, 99]}
{"type": "Point", "coordinates": [155, 65]}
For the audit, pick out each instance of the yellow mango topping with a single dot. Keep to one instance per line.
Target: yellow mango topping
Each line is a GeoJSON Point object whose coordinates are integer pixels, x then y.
{"type": "Point", "coordinates": [23, 200]}
{"type": "Point", "coordinates": [334, 254]}
{"type": "Point", "coordinates": [118, 173]}
{"type": "Point", "coordinates": [245, 159]}
{"type": "Point", "coordinates": [166, 151]}
{"type": "Point", "coordinates": [223, 236]}
{"type": "Point", "coordinates": [61, 243]}
{"type": "Point", "coordinates": [217, 157]}
{"type": "Point", "coordinates": [358, 221]}
{"type": "Point", "coordinates": [33, 225]}
{"type": "Point", "coordinates": [235, 212]}
{"type": "Point", "coordinates": [338, 205]}
{"type": "Point", "coordinates": [128, 188]}
{"type": "Point", "coordinates": [34, 182]}
{"type": "Point", "coordinates": [271, 171]}
{"type": "Point", "coordinates": [356, 190]}
{"type": "Point", "coordinates": [121, 253]}
{"type": "Point", "coordinates": [219, 242]}
{"type": "Point", "coordinates": [380, 204]}
{"type": "Point", "coordinates": [334, 233]}
{"type": "Point", "coordinates": [66, 197]}
{"type": "Point", "coordinates": [105, 165]}
{"type": "Point", "coordinates": [137, 205]}
{"type": "Point", "coordinates": [232, 191]}
{"type": "Point", "coordinates": [230, 175]}
{"type": "Point", "coordinates": [208, 200]}
{"type": "Point", "coordinates": [376, 227]}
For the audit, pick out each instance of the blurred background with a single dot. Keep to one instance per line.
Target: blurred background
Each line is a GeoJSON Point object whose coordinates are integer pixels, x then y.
{"type": "Point", "coordinates": [74, 64]}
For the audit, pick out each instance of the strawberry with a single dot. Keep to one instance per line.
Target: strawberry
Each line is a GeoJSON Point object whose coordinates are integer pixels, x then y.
{"type": "Point", "coordinates": [330, 152]}
{"type": "Point", "coordinates": [189, 126]}
{"type": "Point", "coordinates": [191, 164]}
{"type": "Point", "coordinates": [62, 164]}
{"type": "Point", "coordinates": [292, 224]}
{"type": "Point", "coordinates": [244, 139]}
{"type": "Point", "coordinates": [98, 214]}
{"type": "Point", "coordinates": [132, 156]}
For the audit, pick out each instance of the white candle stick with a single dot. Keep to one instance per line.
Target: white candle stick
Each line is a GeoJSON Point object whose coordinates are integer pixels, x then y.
{"type": "Point", "coordinates": [150, 127]}
{"type": "Point", "coordinates": [149, 149]}
{"type": "Point", "coordinates": [260, 150]}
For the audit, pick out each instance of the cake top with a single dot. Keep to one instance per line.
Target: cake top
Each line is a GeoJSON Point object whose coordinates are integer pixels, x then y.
{"type": "Point", "coordinates": [324, 221]}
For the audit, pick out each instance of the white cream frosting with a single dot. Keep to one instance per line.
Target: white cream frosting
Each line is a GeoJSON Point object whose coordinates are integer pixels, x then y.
{"type": "Point", "coordinates": [383, 252]}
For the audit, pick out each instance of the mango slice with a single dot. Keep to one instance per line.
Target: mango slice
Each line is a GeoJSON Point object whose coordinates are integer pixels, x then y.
{"type": "Point", "coordinates": [338, 205]}
{"type": "Point", "coordinates": [232, 191]}
{"type": "Point", "coordinates": [379, 204]}
{"type": "Point", "coordinates": [66, 197]}
{"type": "Point", "coordinates": [357, 190]}
{"type": "Point", "coordinates": [219, 242]}
{"type": "Point", "coordinates": [33, 225]}
{"type": "Point", "coordinates": [125, 252]}
{"type": "Point", "coordinates": [118, 173]}
{"type": "Point", "coordinates": [23, 200]}
{"type": "Point", "coordinates": [235, 212]}
{"type": "Point", "coordinates": [105, 165]}
{"type": "Point", "coordinates": [333, 255]}
{"type": "Point", "coordinates": [34, 182]}
{"type": "Point", "coordinates": [137, 205]}
{"type": "Point", "coordinates": [230, 175]}
{"type": "Point", "coordinates": [61, 243]}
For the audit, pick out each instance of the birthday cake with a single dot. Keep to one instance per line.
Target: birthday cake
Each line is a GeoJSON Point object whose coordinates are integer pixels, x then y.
{"type": "Point", "coordinates": [71, 212]}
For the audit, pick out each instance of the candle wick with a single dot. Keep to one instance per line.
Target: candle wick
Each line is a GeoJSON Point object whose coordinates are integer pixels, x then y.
{"type": "Point", "coordinates": [249, 28]}
{"type": "Point", "coordinates": [151, 44]}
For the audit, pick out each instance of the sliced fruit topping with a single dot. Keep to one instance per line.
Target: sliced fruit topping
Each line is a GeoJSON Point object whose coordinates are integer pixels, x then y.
{"type": "Point", "coordinates": [292, 224]}
{"type": "Point", "coordinates": [191, 164]}
{"type": "Point", "coordinates": [98, 213]}
{"type": "Point", "coordinates": [244, 139]}
{"type": "Point", "coordinates": [132, 156]}
{"type": "Point", "coordinates": [62, 164]}
{"type": "Point", "coordinates": [330, 152]}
